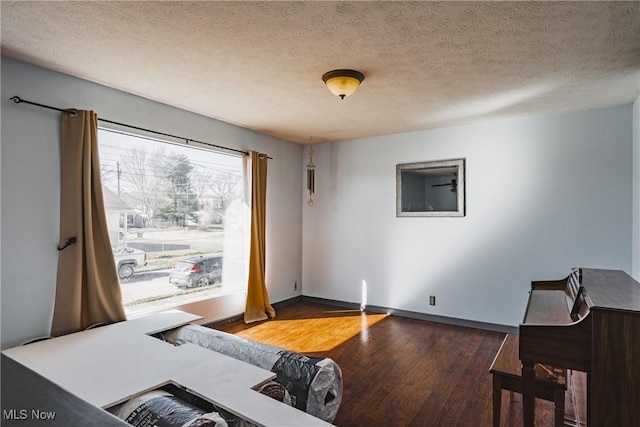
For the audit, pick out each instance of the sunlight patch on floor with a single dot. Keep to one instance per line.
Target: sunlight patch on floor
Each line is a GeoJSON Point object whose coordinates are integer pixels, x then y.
{"type": "Point", "coordinates": [312, 335]}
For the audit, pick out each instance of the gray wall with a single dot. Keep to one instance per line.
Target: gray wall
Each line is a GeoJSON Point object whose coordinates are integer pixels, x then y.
{"type": "Point", "coordinates": [30, 190]}
{"type": "Point", "coordinates": [543, 194]}
{"type": "Point", "coordinates": [636, 190]}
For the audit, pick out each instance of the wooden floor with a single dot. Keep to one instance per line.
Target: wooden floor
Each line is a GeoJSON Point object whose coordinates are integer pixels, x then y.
{"type": "Point", "coordinates": [397, 371]}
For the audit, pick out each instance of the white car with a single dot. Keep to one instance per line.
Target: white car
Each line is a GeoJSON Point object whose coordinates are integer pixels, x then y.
{"type": "Point", "coordinates": [127, 259]}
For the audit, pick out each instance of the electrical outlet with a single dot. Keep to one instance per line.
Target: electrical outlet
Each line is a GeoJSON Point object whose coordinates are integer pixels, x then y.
{"type": "Point", "coordinates": [295, 286]}
{"type": "Point", "coordinates": [432, 300]}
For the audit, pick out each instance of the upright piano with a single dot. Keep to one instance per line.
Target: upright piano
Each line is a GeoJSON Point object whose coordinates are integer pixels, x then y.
{"type": "Point", "coordinates": [588, 322]}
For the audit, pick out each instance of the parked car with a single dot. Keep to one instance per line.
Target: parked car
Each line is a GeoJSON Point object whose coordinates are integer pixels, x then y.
{"type": "Point", "coordinates": [197, 271]}
{"type": "Point", "coordinates": [127, 259]}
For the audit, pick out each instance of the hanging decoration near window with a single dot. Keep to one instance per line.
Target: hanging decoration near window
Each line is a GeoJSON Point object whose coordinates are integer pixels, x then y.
{"type": "Point", "coordinates": [311, 174]}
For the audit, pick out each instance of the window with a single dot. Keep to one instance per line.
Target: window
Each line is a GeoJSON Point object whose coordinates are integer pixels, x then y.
{"type": "Point", "coordinates": [176, 220]}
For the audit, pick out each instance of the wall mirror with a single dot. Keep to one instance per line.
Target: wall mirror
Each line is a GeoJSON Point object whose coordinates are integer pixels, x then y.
{"type": "Point", "coordinates": [430, 188]}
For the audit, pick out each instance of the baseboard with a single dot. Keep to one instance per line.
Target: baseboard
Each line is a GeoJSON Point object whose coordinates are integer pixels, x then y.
{"type": "Point", "coordinates": [377, 309]}
{"type": "Point", "coordinates": [415, 315]}
{"type": "Point", "coordinates": [333, 302]}
{"type": "Point", "coordinates": [238, 317]}
{"type": "Point", "coordinates": [286, 302]}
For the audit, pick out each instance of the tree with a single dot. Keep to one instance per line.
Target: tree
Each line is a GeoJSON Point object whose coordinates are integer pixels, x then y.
{"type": "Point", "coordinates": [182, 202]}
{"type": "Point", "coordinates": [215, 191]}
{"type": "Point", "coordinates": [136, 171]}
{"type": "Point", "coordinates": [225, 187]}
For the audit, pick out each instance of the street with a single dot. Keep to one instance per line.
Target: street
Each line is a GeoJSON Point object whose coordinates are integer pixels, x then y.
{"type": "Point", "coordinates": [145, 284]}
{"type": "Point", "coordinates": [149, 290]}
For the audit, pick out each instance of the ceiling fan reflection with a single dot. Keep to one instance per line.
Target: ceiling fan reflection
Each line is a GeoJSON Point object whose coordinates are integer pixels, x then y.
{"type": "Point", "coordinates": [453, 184]}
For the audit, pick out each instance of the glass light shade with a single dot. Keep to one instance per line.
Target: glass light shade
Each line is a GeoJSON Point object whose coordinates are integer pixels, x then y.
{"type": "Point", "coordinates": [343, 86]}
{"type": "Point", "coordinates": [343, 82]}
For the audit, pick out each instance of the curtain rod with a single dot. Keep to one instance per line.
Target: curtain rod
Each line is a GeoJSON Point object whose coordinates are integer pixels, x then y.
{"type": "Point", "coordinates": [18, 100]}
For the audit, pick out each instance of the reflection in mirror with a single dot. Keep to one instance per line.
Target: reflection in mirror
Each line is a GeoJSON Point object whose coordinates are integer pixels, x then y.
{"type": "Point", "coordinates": [430, 188]}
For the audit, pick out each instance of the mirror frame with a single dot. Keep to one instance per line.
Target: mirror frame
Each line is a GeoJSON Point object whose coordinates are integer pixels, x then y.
{"type": "Point", "coordinates": [458, 164]}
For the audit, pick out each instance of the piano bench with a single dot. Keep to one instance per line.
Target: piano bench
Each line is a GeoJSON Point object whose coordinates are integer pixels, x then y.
{"type": "Point", "coordinates": [551, 383]}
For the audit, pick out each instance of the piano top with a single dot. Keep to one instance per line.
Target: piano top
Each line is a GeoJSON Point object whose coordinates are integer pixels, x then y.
{"type": "Point", "coordinates": [547, 307]}
{"type": "Point", "coordinates": [611, 290]}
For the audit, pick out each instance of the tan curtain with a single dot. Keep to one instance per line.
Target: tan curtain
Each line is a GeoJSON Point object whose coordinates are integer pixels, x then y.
{"type": "Point", "coordinates": [258, 306]}
{"type": "Point", "coordinates": [87, 287]}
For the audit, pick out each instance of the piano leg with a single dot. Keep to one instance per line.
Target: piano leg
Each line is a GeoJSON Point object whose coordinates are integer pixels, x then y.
{"type": "Point", "coordinates": [528, 393]}
{"type": "Point", "coordinates": [559, 407]}
{"type": "Point", "coordinates": [497, 399]}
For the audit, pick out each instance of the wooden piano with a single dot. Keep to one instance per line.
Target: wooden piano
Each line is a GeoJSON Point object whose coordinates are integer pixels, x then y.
{"type": "Point", "coordinates": [589, 322]}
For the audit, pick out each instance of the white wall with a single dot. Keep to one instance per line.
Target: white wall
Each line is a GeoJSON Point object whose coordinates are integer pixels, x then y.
{"type": "Point", "coordinates": [30, 189]}
{"type": "Point", "coordinates": [543, 194]}
{"type": "Point", "coordinates": [636, 190]}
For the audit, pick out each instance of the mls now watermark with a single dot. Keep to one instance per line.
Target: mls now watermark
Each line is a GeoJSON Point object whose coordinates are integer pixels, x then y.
{"type": "Point", "coordinates": [24, 414]}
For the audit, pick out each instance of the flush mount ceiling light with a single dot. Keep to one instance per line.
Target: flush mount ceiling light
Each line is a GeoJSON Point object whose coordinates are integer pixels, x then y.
{"type": "Point", "coordinates": [342, 82]}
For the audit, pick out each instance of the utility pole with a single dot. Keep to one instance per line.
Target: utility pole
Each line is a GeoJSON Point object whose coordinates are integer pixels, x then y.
{"type": "Point", "coordinates": [119, 172]}
{"type": "Point", "coordinates": [186, 209]}
{"type": "Point", "coordinates": [124, 225]}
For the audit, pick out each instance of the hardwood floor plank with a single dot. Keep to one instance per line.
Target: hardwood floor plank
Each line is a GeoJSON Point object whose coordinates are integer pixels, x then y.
{"type": "Point", "coordinates": [398, 371]}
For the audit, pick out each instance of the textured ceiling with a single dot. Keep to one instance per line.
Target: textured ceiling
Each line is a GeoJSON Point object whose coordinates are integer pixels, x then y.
{"type": "Point", "coordinates": [259, 64]}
